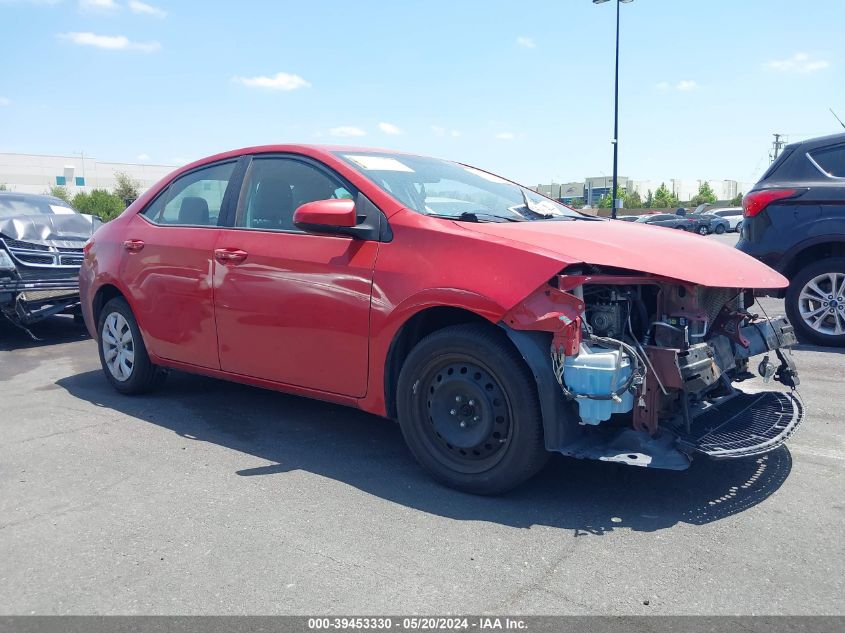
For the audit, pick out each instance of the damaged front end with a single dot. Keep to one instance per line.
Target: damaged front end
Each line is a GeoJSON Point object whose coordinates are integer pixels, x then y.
{"type": "Point", "coordinates": [642, 369]}
{"type": "Point", "coordinates": [40, 258]}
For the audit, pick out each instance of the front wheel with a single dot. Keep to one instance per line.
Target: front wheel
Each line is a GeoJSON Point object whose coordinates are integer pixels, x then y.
{"type": "Point", "coordinates": [815, 302]}
{"type": "Point", "coordinates": [123, 355]}
{"type": "Point", "coordinates": [739, 227]}
{"type": "Point", "coordinates": [702, 230]}
{"type": "Point", "coordinates": [469, 411]}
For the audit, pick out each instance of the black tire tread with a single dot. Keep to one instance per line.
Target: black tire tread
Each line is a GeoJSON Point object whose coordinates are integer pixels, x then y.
{"type": "Point", "coordinates": [145, 375]}
{"type": "Point", "coordinates": [526, 454]}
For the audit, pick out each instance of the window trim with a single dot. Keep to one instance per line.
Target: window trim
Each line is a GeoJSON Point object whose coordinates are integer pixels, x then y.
{"type": "Point", "coordinates": [809, 155]}
{"type": "Point", "coordinates": [307, 160]}
{"type": "Point", "coordinates": [235, 181]}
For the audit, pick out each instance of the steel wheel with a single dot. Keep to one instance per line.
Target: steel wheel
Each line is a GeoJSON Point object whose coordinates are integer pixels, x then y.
{"type": "Point", "coordinates": [821, 303]}
{"type": "Point", "coordinates": [118, 346]}
{"type": "Point", "coordinates": [469, 415]}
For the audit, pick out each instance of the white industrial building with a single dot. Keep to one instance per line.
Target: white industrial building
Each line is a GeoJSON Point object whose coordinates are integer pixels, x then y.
{"type": "Point", "coordinates": [35, 173]}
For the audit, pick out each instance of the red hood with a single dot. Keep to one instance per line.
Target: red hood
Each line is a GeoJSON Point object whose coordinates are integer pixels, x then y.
{"type": "Point", "coordinates": [649, 249]}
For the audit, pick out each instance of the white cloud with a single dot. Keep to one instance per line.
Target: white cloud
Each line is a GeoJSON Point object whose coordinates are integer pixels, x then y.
{"type": "Point", "coordinates": [442, 131]}
{"type": "Point", "coordinates": [506, 136]}
{"type": "Point", "coordinates": [279, 81]}
{"type": "Point", "coordinates": [143, 157]}
{"type": "Point", "coordinates": [345, 131]}
{"type": "Point", "coordinates": [111, 42]}
{"type": "Point", "coordinates": [146, 9]}
{"type": "Point", "coordinates": [98, 5]}
{"type": "Point", "coordinates": [799, 63]}
{"type": "Point", "coordinates": [527, 42]}
{"type": "Point", "coordinates": [389, 128]}
{"type": "Point", "coordinates": [4, 101]}
{"type": "Point", "coordinates": [685, 85]}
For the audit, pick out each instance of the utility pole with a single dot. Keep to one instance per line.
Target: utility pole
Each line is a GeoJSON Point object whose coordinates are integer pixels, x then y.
{"type": "Point", "coordinates": [777, 145]}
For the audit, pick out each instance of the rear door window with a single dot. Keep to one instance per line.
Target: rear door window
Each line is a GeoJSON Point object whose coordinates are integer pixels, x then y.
{"type": "Point", "coordinates": [831, 160]}
{"type": "Point", "coordinates": [194, 199]}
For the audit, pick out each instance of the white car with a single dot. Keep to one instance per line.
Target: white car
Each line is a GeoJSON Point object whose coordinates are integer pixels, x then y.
{"type": "Point", "coordinates": [733, 215]}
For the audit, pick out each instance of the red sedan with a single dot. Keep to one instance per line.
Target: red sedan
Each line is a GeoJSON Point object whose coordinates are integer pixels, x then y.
{"type": "Point", "coordinates": [496, 325]}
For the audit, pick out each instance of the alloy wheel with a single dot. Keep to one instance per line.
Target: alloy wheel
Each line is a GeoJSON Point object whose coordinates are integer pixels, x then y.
{"type": "Point", "coordinates": [118, 346]}
{"type": "Point", "coordinates": [821, 303]}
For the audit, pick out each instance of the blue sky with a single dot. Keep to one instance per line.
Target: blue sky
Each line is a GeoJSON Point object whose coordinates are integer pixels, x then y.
{"type": "Point", "coordinates": [520, 88]}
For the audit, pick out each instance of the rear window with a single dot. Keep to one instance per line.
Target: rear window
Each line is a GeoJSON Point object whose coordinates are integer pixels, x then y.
{"type": "Point", "coordinates": [831, 160]}
{"type": "Point", "coordinates": [778, 162]}
{"type": "Point", "coordinates": [728, 213]}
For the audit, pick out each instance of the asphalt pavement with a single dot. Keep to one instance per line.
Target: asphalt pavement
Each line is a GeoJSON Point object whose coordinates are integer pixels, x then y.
{"type": "Point", "coordinates": [215, 498]}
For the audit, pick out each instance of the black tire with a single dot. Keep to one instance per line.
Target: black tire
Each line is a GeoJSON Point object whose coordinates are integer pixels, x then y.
{"type": "Point", "coordinates": [703, 230]}
{"type": "Point", "coordinates": [720, 228]}
{"type": "Point", "coordinates": [143, 375]}
{"type": "Point", "coordinates": [739, 227]}
{"type": "Point", "coordinates": [806, 333]}
{"type": "Point", "coordinates": [469, 411]}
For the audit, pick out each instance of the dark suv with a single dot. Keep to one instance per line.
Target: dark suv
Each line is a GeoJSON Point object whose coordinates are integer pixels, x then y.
{"type": "Point", "coordinates": [794, 221]}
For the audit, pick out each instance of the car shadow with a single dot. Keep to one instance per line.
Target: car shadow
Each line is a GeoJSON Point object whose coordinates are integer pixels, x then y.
{"type": "Point", "coordinates": [51, 331]}
{"type": "Point", "coordinates": [368, 452]}
{"type": "Point", "coordinates": [807, 347]}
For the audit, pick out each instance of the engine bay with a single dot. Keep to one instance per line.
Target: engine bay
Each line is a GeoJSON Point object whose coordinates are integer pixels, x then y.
{"type": "Point", "coordinates": [640, 354]}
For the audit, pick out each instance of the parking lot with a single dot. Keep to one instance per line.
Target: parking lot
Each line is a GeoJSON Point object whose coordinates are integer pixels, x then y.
{"type": "Point", "coordinates": [215, 498]}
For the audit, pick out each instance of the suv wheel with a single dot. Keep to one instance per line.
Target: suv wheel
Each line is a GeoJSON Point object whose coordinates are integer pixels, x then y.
{"type": "Point", "coordinates": [469, 411]}
{"type": "Point", "coordinates": [123, 355]}
{"type": "Point", "coordinates": [815, 302]}
{"type": "Point", "coordinates": [738, 228]}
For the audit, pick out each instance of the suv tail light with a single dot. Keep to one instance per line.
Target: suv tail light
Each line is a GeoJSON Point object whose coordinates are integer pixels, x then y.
{"type": "Point", "coordinates": [755, 201]}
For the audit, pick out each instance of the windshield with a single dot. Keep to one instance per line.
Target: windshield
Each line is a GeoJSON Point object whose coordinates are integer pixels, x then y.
{"type": "Point", "coordinates": [11, 206]}
{"type": "Point", "coordinates": [446, 189]}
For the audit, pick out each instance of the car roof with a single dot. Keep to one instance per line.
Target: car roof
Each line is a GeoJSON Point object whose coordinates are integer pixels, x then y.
{"type": "Point", "coordinates": [35, 197]}
{"type": "Point", "coordinates": [819, 141]}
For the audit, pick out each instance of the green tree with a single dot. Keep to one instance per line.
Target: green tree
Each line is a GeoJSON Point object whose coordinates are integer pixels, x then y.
{"type": "Point", "coordinates": [649, 200]}
{"type": "Point", "coordinates": [705, 195]}
{"type": "Point", "coordinates": [606, 201]}
{"type": "Point", "coordinates": [57, 191]}
{"type": "Point", "coordinates": [633, 200]}
{"type": "Point", "coordinates": [736, 201]}
{"type": "Point", "coordinates": [663, 198]}
{"type": "Point", "coordinates": [100, 203]}
{"type": "Point", "coordinates": [128, 189]}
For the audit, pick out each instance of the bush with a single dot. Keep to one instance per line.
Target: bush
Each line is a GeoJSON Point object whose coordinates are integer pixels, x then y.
{"type": "Point", "coordinates": [57, 191]}
{"type": "Point", "coordinates": [106, 206]}
{"type": "Point", "coordinates": [127, 188]}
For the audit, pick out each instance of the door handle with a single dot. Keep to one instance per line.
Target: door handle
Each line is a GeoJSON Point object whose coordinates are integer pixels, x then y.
{"type": "Point", "coordinates": [229, 256]}
{"type": "Point", "coordinates": [133, 246]}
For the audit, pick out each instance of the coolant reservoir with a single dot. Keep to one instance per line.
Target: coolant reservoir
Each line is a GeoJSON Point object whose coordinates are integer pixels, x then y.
{"type": "Point", "coordinates": [591, 373]}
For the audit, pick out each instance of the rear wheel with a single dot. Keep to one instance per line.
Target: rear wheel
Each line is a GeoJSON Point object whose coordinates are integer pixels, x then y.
{"type": "Point", "coordinates": [702, 230]}
{"type": "Point", "coordinates": [469, 411]}
{"type": "Point", "coordinates": [739, 227]}
{"type": "Point", "coordinates": [123, 355]}
{"type": "Point", "coordinates": [720, 228]}
{"type": "Point", "coordinates": [815, 302]}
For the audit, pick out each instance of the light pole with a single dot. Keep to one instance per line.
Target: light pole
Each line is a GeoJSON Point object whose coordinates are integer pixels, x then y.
{"type": "Point", "coordinates": [615, 109]}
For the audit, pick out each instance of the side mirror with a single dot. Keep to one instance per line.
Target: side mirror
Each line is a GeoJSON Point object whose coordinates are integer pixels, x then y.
{"type": "Point", "coordinates": [326, 215]}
